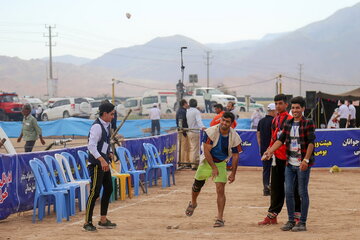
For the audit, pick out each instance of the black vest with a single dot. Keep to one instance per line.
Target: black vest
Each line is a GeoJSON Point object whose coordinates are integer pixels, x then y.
{"type": "Point", "coordinates": [105, 138]}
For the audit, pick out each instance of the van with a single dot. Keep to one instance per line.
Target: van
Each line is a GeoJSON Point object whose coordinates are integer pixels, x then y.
{"type": "Point", "coordinates": [165, 100]}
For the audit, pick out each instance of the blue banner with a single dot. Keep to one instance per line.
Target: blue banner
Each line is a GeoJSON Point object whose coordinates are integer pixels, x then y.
{"type": "Point", "coordinates": [339, 147]}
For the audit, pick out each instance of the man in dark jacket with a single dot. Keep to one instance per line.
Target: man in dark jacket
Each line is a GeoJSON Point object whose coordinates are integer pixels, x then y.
{"type": "Point", "coordinates": [181, 122]}
{"type": "Point", "coordinates": [263, 135]}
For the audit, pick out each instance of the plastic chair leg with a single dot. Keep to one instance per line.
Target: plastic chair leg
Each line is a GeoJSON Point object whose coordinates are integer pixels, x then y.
{"type": "Point", "coordinates": [136, 185]}
{"type": "Point", "coordinates": [164, 177]}
{"type": "Point", "coordinates": [130, 192]}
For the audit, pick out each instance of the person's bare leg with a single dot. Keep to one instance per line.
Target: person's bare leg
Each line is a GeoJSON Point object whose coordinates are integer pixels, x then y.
{"type": "Point", "coordinates": [221, 199]}
{"type": "Point", "coordinates": [194, 196]}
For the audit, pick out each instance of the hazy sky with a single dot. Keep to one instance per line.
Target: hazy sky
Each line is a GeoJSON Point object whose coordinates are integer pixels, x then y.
{"type": "Point", "coordinates": [89, 28]}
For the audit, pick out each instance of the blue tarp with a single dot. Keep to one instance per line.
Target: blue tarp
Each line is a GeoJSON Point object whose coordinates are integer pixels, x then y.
{"type": "Point", "coordinates": [81, 127]}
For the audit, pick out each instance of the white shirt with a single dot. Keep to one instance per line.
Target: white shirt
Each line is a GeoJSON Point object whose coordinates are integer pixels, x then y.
{"type": "Point", "coordinates": [352, 111]}
{"type": "Point", "coordinates": [295, 147]}
{"type": "Point", "coordinates": [193, 118]}
{"type": "Point", "coordinates": [95, 136]}
{"type": "Point", "coordinates": [207, 96]}
{"type": "Point", "coordinates": [344, 111]}
{"type": "Point", "coordinates": [154, 113]}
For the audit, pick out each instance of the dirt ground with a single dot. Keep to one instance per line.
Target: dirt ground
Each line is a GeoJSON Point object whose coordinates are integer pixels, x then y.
{"type": "Point", "coordinates": [334, 212]}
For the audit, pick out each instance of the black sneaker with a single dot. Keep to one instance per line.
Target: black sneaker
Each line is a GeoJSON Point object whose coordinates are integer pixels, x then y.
{"type": "Point", "coordinates": [299, 227]}
{"type": "Point", "coordinates": [89, 227]}
{"type": "Point", "coordinates": [288, 226]}
{"type": "Point", "coordinates": [107, 224]}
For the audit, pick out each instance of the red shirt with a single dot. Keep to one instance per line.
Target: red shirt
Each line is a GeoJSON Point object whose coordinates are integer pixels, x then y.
{"type": "Point", "coordinates": [216, 120]}
{"type": "Point", "coordinates": [276, 128]}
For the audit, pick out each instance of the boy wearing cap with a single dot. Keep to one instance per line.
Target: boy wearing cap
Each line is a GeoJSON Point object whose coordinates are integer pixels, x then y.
{"type": "Point", "coordinates": [263, 135]}
{"type": "Point", "coordinates": [100, 156]}
{"type": "Point", "coordinates": [155, 119]}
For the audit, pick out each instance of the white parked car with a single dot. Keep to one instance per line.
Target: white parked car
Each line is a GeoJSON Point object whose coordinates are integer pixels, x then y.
{"type": "Point", "coordinates": [131, 103]}
{"type": "Point", "coordinates": [67, 107]}
{"type": "Point", "coordinates": [95, 108]}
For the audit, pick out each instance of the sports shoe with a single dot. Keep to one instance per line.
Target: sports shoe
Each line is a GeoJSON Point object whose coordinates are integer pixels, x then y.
{"type": "Point", "coordinates": [300, 227]}
{"type": "Point", "coordinates": [268, 221]}
{"type": "Point", "coordinates": [288, 226]}
{"type": "Point", "coordinates": [107, 224]}
{"type": "Point", "coordinates": [89, 227]}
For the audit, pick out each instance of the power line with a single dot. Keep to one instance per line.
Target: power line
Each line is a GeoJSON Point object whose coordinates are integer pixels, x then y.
{"type": "Point", "coordinates": [251, 84]}
{"type": "Point", "coordinates": [322, 83]}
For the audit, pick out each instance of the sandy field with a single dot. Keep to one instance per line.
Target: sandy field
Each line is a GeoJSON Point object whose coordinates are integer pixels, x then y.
{"type": "Point", "coordinates": [334, 212]}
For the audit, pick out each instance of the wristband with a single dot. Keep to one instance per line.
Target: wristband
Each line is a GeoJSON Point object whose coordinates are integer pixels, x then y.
{"type": "Point", "coordinates": [306, 160]}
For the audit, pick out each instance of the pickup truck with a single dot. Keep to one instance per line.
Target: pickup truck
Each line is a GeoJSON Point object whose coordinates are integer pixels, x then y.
{"type": "Point", "coordinates": [10, 107]}
{"type": "Point", "coordinates": [217, 97]}
{"type": "Point", "coordinates": [241, 105]}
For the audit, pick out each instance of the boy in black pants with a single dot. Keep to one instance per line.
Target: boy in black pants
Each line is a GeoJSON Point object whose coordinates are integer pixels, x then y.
{"type": "Point", "coordinates": [99, 159]}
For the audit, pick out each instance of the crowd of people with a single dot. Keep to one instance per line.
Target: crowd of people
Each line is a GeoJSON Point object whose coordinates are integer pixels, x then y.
{"type": "Point", "coordinates": [344, 116]}
{"type": "Point", "coordinates": [286, 144]}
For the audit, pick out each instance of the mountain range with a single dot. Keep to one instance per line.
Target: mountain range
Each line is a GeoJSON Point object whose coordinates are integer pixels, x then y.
{"type": "Point", "coordinates": [328, 51]}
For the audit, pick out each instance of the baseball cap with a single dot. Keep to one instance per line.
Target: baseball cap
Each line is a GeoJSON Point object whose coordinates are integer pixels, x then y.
{"type": "Point", "coordinates": [271, 107]}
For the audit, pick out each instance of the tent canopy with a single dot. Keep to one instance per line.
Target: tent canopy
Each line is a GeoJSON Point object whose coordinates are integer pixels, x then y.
{"type": "Point", "coordinates": [351, 95]}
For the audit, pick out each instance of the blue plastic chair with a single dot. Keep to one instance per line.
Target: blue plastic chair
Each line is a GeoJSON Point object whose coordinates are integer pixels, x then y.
{"type": "Point", "coordinates": [44, 189]}
{"type": "Point", "coordinates": [73, 162]}
{"type": "Point", "coordinates": [63, 183]}
{"type": "Point", "coordinates": [154, 162]}
{"type": "Point", "coordinates": [124, 153]}
{"type": "Point", "coordinates": [83, 156]}
{"type": "Point", "coordinates": [84, 183]}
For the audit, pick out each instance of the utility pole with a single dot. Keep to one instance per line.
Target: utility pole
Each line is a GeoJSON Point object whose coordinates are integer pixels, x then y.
{"type": "Point", "coordinates": [300, 73]}
{"type": "Point", "coordinates": [278, 84]}
{"type": "Point", "coordinates": [52, 87]}
{"type": "Point", "coordinates": [208, 63]}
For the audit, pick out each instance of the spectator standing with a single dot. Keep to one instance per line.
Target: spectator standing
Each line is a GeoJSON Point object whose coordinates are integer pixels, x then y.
{"type": "Point", "coordinates": [183, 136]}
{"type": "Point", "coordinates": [207, 100]}
{"type": "Point", "coordinates": [219, 110]}
{"type": "Point", "coordinates": [155, 120]}
{"type": "Point", "coordinates": [352, 110]}
{"type": "Point", "coordinates": [194, 121]}
{"type": "Point", "coordinates": [30, 129]}
{"type": "Point", "coordinates": [344, 114]}
{"type": "Point", "coordinates": [263, 135]}
{"type": "Point", "coordinates": [38, 113]}
{"type": "Point", "coordinates": [255, 118]}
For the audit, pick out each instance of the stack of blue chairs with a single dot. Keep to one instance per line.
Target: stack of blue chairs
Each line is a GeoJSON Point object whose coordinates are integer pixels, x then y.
{"type": "Point", "coordinates": [62, 182]}
{"type": "Point", "coordinates": [45, 189]}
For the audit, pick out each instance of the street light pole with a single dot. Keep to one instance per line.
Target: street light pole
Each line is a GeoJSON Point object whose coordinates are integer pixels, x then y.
{"type": "Point", "coordinates": [182, 68]}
